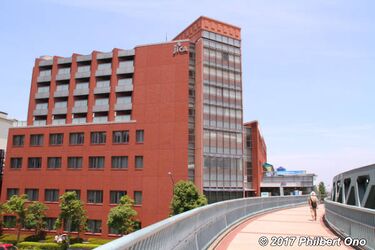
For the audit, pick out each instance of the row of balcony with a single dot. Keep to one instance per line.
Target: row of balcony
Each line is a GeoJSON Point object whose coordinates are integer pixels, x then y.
{"type": "Point", "coordinates": [79, 92]}
{"type": "Point", "coordinates": [87, 74]}
{"type": "Point", "coordinates": [83, 109]}
{"type": "Point", "coordinates": [85, 58]}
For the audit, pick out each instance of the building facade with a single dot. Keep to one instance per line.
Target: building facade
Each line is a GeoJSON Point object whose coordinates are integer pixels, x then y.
{"type": "Point", "coordinates": [255, 156]}
{"type": "Point", "coordinates": [5, 124]}
{"type": "Point", "coordinates": [109, 124]}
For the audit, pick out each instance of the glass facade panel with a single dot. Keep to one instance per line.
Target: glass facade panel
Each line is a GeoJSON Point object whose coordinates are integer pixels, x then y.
{"type": "Point", "coordinates": [222, 116]}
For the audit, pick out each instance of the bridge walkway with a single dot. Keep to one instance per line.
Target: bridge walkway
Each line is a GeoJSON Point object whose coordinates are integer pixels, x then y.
{"type": "Point", "coordinates": [293, 223]}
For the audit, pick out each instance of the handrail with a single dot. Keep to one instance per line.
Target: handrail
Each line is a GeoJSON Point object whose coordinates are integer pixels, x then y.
{"type": "Point", "coordinates": [351, 221]}
{"type": "Point", "coordinates": [198, 228]}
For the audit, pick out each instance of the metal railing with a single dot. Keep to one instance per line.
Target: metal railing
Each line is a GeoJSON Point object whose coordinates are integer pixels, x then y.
{"type": "Point", "coordinates": [198, 228]}
{"type": "Point", "coordinates": [353, 221]}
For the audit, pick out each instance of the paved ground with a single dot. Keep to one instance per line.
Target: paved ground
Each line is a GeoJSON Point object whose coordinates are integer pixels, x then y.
{"type": "Point", "coordinates": [284, 225]}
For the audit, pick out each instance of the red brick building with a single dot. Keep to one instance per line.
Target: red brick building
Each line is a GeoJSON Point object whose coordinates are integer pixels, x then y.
{"type": "Point", "coordinates": [255, 156]}
{"type": "Point", "coordinates": [107, 124]}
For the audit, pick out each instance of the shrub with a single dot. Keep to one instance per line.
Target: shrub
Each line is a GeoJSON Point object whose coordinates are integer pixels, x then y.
{"type": "Point", "coordinates": [83, 246]}
{"type": "Point", "coordinates": [76, 240]}
{"type": "Point", "coordinates": [36, 238]}
{"type": "Point", "coordinates": [98, 241]}
{"type": "Point", "coordinates": [11, 238]}
{"type": "Point", "coordinates": [39, 246]}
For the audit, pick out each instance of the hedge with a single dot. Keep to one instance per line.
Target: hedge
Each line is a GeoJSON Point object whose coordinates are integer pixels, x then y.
{"type": "Point", "coordinates": [39, 246]}
{"type": "Point", "coordinates": [98, 241]}
{"type": "Point", "coordinates": [83, 246]}
{"type": "Point", "coordinates": [11, 238]}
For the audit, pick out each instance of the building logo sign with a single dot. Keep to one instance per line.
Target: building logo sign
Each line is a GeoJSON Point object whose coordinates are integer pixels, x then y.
{"type": "Point", "coordinates": [179, 49]}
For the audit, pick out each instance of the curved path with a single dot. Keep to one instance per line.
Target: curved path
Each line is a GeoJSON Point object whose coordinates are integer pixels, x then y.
{"type": "Point", "coordinates": [290, 228]}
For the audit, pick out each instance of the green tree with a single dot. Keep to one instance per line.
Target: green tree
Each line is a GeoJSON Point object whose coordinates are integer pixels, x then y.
{"type": "Point", "coordinates": [35, 217]}
{"type": "Point", "coordinates": [322, 190]}
{"type": "Point", "coordinates": [122, 217]}
{"type": "Point", "coordinates": [186, 197]}
{"type": "Point", "coordinates": [72, 213]}
{"type": "Point", "coordinates": [16, 205]}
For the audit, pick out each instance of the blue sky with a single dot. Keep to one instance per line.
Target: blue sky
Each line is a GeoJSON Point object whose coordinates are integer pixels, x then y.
{"type": "Point", "coordinates": [308, 66]}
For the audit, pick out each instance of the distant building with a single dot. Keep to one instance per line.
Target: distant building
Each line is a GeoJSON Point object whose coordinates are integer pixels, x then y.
{"type": "Point", "coordinates": [255, 156]}
{"type": "Point", "coordinates": [5, 124]}
{"type": "Point", "coordinates": [286, 183]}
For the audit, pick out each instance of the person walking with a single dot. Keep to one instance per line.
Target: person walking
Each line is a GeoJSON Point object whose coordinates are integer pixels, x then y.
{"type": "Point", "coordinates": [313, 202]}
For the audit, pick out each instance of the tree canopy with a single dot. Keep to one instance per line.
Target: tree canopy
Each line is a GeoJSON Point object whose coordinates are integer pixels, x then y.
{"type": "Point", "coordinates": [72, 213]}
{"type": "Point", "coordinates": [17, 205]}
{"type": "Point", "coordinates": [122, 217]}
{"type": "Point", "coordinates": [186, 197]}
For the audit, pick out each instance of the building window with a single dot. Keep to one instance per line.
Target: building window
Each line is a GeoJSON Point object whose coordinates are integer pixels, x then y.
{"type": "Point", "coordinates": [76, 138]}
{"type": "Point", "coordinates": [18, 140]}
{"type": "Point", "coordinates": [50, 223]}
{"type": "Point", "coordinates": [77, 191]}
{"type": "Point", "coordinates": [96, 162]}
{"type": "Point", "coordinates": [119, 162]}
{"type": "Point", "coordinates": [36, 140]}
{"type": "Point", "coordinates": [11, 192]}
{"type": "Point", "coordinates": [54, 162]}
{"type": "Point", "coordinates": [32, 194]}
{"type": "Point", "coordinates": [94, 226]}
{"type": "Point", "coordinates": [98, 137]}
{"type": "Point", "coordinates": [35, 162]}
{"type": "Point", "coordinates": [75, 162]}
{"type": "Point", "coordinates": [115, 196]}
{"type": "Point", "coordinates": [94, 196]}
{"type": "Point", "coordinates": [137, 197]}
{"type": "Point", "coordinates": [51, 195]}
{"type": "Point", "coordinates": [140, 136]}
{"type": "Point", "coordinates": [9, 221]}
{"type": "Point", "coordinates": [15, 162]}
{"type": "Point", "coordinates": [56, 139]}
{"type": "Point", "coordinates": [139, 161]}
{"type": "Point", "coordinates": [120, 136]}
{"type": "Point", "coordinates": [113, 231]}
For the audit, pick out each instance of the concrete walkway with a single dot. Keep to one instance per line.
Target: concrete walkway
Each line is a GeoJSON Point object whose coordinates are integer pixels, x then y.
{"type": "Point", "coordinates": [290, 228]}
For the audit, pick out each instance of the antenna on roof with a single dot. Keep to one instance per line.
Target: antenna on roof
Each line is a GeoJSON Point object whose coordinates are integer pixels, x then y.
{"type": "Point", "coordinates": [166, 36]}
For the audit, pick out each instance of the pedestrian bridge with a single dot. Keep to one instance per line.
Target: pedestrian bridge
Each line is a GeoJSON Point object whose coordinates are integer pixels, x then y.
{"type": "Point", "coordinates": [263, 222]}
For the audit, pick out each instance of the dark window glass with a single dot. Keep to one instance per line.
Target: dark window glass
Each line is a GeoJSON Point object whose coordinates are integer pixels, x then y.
{"type": "Point", "coordinates": [96, 162]}
{"type": "Point", "coordinates": [139, 161]}
{"type": "Point", "coordinates": [56, 139]}
{"type": "Point", "coordinates": [113, 230]}
{"type": "Point", "coordinates": [36, 140]}
{"type": "Point", "coordinates": [77, 191]}
{"type": "Point", "coordinates": [76, 138]}
{"type": "Point", "coordinates": [94, 226]}
{"type": "Point", "coordinates": [54, 162]}
{"type": "Point", "coordinates": [51, 195]}
{"type": "Point", "coordinates": [75, 162]}
{"type": "Point", "coordinates": [137, 197]}
{"type": "Point", "coordinates": [9, 221]}
{"type": "Point", "coordinates": [98, 137]}
{"type": "Point", "coordinates": [119, 162]}
{"type": "Point", "coordinates": [115, 196]}
{"type": "Point", "coordinates": [32, 194]}
{"type": "Point", "coordinates": [18, 140]}
{"type": "Point", "coordinates": [94, 196]}
{"type": "Point", "coordinates": [15, 162]}
{"type": "Point", "coordinates": [35, 162]}
{"type": "Point", "coordinates": [140, 136]}
{"type": "Point", "coordinates": [11, 192]}
{"type": "Point", "coordinates": [50, 223]}
{"type": "Point", "coordinates": [120, 136]}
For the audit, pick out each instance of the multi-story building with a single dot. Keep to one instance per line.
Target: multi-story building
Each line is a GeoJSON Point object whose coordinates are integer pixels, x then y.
{"type": "Point", "coordinates": [255, 156]}
{"type": "Point", "coordinates": [122, 122]}
{"type": "Point", "coordinates": [5, 124]}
